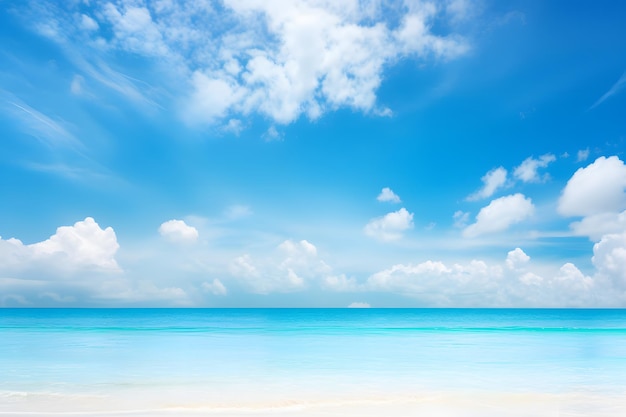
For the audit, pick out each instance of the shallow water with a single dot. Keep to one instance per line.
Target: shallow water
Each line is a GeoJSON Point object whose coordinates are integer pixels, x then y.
{"type": "Point", "coordinates": [440, 362]}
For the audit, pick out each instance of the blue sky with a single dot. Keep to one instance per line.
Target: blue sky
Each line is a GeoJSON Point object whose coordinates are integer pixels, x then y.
{"type": "Point", "coordinates": [324, 154]}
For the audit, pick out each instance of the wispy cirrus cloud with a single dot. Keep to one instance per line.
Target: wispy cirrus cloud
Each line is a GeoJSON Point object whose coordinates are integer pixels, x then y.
{"type": "Point", "coordinates": [50, 132]}
{"type": "Point", "coordinates": [615, 89]}
{"type": "Point", "coordinates": [67, 155]}
{"type": "Point", "coordinates": [391, 226]}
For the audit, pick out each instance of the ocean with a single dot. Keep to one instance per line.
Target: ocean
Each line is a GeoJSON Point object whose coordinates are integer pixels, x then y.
{"type": "Point", "coordinates": [313, 362]}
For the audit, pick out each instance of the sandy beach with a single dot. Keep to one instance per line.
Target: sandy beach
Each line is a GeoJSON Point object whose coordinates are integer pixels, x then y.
{"type": "Point", "coordinates": [434, 404]}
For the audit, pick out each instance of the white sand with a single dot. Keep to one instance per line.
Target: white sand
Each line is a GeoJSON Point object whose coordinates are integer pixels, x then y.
{"type": "Point", "coordinates": [433, 404]}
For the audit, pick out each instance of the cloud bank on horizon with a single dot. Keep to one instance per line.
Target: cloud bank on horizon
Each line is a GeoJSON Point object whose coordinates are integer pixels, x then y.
{"type": "Point", "coordinates": [78, 265]}
{"type": "Point", "coordinates": [311, 153]}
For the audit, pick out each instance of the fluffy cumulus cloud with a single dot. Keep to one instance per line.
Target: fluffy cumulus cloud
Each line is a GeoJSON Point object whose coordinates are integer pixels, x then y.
{"type": "Point", "coordinates": [279, 59]}
{"type": "Point", "coordinates": [516, 259]}
{"type": "Point", "coordinates": [598, 225]}
{"type": "Point", "coordinates": [44, 270]}
{"type": "Point", "coordinates": [476, 283]}
{"type": "Point", "coordinates": [435, 283]}
{"type": "Point", "coordinates": [492, 181]}
{"type": "Point", "coordinates": [528, 171]}
{"type": "Point", "coordinates": [516, 282]}
{"type": "Point", "coordinates": [387, 195]}
{"type": "Point", "coordinates": [292, 266]}
{"type": "Point", "coordinates": [178, 231]}
{"type": "Point", "coordinates": [76, 266]}
{"type": "Point", "coordinates": [81, 246]}
{"type": "Point", "coordinates": [359, 304]}
{"type": "Point", "coordinates": [596, 193]}
{"type": "Point", "coordinates": [391, 226]}
{"type": "Point", "coordinates": [597, 188]}
{"type": "Point", "coordinates": [609, 257]}
{"type": "Point", "coordinates": [500, 214]}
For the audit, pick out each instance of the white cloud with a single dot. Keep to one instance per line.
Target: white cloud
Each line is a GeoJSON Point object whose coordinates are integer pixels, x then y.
{"type": "Point", "coordinates": [84, 244]}
{"type": "Point", "coordinates": [292, 266]}
{"type": "Point", "coordinates": [272, 134]}
{"type": "Point", "coordinates": [391, 226]}
{"type": "Point", "coordinates": [178, 231]}
{"type": "Point", "coordinates": [88, 23]}
{"type": "Point", "coordinates": [50, 131]}
{"type": "Point", "coordinates": [436, 284]}
{"type": "Point", "coordinates": [359, 304]}
{"type": "Point", "coordinates": [85, 174]}
{"type": "Point", "coordinates": [269, 275]}
{"type": "Point", "coordinates": [242, 266]}
{"type": "Point", "coordinates": [616, 88]}
{"type": "Point", "coordinates": [281, 60]}
{"type": "Point", "coordinates": [531, 279]}
{"type": "Point", "coordinates": [516, 259]}
{"type": "Point", "coordinates": [518, 282]}
{"type": "Point", "coordinates": [493, 181]}
{"type": "Point", "coordinates": [129, 292]}
{"type": "Point", "coordinates": [238, 211]}
{"type": "Point", "coordinates": [460, 10]}
{"type": "Point", "coordinates": [123, 84]}
{"type": "Point", "coordinates": [215, 287]}
{"type": "Point", "coordinates": [211, 98]}
{"type": "Point", "coordinates": [302, 249]}
{"type": "Point", "coordinates": [76, 86]}
{"type": "Point", "coordinates": [571, 279]}
{"type": "Point", "coordinates": [340, 283]}
{"type": "Point", "coordinates": [582, 155]}
{"type": "Point", "coordinates": [414, 36]}
{"type": "Point", "coordinates": [234, 126]}
{"type": "Point", "coordinates": [609, 257]}
{"type": "Point", "coordinates": [68, 267]}
{"type": "Point", "coordinates": [597, 188]}
{"type": "Point", "coordinates": [460, 218]}
{"type": "Point", "coordinates": [500, 214]}
{"type": "Point", "coordinates": [528, 170]}
{"type": "Point", "coordinates": [81, 246]}
{"type": "Point", "coordinates": [387, 195]}
{"type": "Point", "coordinates": [597, 225]}
{"type": "Point", "coordinates": [76, 267]}
{"type": "Point", "coordinates": [134, 30]}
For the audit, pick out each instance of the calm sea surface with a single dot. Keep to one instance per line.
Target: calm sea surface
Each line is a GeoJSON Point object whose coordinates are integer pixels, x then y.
{"type": "Point", "coordinates": [127, 360]}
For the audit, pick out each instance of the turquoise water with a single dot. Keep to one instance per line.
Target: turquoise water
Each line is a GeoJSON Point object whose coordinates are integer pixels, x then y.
{"type": "Point", "coordinates": [221, 357]}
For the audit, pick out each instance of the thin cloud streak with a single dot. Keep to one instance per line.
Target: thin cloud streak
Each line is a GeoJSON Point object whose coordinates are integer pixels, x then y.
{"type": "Point", "coordinates": [615, 89]}
{"type": "Point", "coordinates": [41, 126]}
